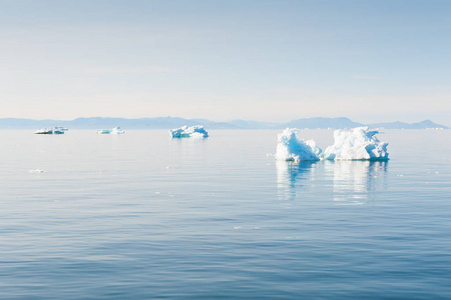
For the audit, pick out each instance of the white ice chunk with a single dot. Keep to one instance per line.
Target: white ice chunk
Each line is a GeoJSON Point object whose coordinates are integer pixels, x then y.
{"type": "Point", "coordinates": [356, 144]}
{"type": "Point", "coordinates": [115, 130]}
{"type": "Point", "coordinates": [291, 148]}
{"type": "Point", "coordinates": [185, 131]}
{"type": "Point", "coordinates": [36, 171]}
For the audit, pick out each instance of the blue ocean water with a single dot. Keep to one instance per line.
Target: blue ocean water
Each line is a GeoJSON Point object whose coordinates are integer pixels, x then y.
{"type": "Point", "coordinates": [142, 216]}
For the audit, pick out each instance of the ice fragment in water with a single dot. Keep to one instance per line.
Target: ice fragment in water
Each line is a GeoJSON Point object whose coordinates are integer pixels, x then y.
{"type": "Point", "coordinates": [291, 148]}
{"type": "Point", "coordinates": [36, 171]}
{"type": "Point", "coordinates": [185, 131]}
{"type": "Point", "coordinates": [356, 144]}
{"type": "Point", "coordinates": [115, 130]}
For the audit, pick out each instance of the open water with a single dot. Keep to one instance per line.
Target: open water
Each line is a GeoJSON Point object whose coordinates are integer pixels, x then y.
{"type": "Point", "coordinates": [142, 216]}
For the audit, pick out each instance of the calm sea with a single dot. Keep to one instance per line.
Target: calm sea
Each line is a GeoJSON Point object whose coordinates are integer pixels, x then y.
{"type": "Point", "coordinates": [142, 216]}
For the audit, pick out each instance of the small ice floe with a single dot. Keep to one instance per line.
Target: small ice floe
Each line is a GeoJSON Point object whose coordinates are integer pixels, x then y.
{"type": "Point", "coordinates": [44, 131]}
{"type": "Point", "coordinates": [292, 148]}
{"type": "Point", "coordinates": [237, 227]}
{"type": "Point", "coordinates": [56, 130]}
{"type": "Point", "coordinates": [59, 130]}
{"type": "Point", "coordinates": [36, 171]}
{"type": "Point", "coordinates": [356, 144]}
{"type": "Point", "coordinates": [115, 130]}
{"type": "Point", "coordinates": [185, 131]}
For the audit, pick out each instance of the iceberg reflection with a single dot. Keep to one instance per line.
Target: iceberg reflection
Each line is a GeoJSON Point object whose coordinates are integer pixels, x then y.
{"type": "Point", "coordinates": [347, 182]}
{"type": "Point", "coordinates": [288, 172]}
{"type": "Point", "coordinates": [355, 181]}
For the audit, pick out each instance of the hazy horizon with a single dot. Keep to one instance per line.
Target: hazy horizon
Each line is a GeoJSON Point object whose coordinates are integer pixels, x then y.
{"type": "Point", "coordinates": [176, 119]}
{"type": "Point", "coordinates": [371, 61]}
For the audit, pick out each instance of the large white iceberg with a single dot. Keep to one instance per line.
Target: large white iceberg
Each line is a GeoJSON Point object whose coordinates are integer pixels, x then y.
{"type": "Point", "coordinates": [291, 148]}
{"type": "Point", "coordinates": [185, 131]}
{"type": "Point", "coordinates": [356, 144]}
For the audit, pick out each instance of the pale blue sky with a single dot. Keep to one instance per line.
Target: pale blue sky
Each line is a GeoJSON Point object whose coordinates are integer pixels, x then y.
{"type": "Point", "coordinates": [263, 60]}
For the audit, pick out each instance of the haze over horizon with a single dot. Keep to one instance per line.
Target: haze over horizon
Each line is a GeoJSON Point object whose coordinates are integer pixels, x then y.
{"type": "Point", "coordinates": [371, 61]}
{"type": "Point", "coordinates": [176, 122]}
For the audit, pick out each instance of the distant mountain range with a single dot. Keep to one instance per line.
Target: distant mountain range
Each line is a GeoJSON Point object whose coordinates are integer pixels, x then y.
{"type": "Point", "coordinates": [173, 122]}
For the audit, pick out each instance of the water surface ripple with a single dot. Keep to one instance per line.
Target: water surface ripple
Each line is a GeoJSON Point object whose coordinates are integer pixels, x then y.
{"type": "Point", "coordinates": [142, 216]}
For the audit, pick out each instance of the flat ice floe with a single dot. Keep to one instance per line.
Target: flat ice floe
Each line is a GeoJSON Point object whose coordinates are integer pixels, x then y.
{"type": "Point", "coordinates": [291, 148]}
{"type": "Point", "coordinates": [354, 144]}
{"type": "Point", "coordinates": [185, 131]}
{"type": "Point", "coordinates": [115, 130]}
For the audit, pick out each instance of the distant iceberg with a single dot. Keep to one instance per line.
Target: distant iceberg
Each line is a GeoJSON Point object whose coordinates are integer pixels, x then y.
{"type": "Point", "coordinates": [291, 148]}
{"type": "Point", "coordinates": [356, 144]}
{"type": "Point", "coordinates": [56, 130]}
{"type": "Point", "coordinates": [115, 130]}
{"type": "Point", "coordinates": [185, 131]}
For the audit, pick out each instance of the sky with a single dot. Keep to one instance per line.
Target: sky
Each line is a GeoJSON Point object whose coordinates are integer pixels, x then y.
{"type": "Point", "coordinates": [278, 60]}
